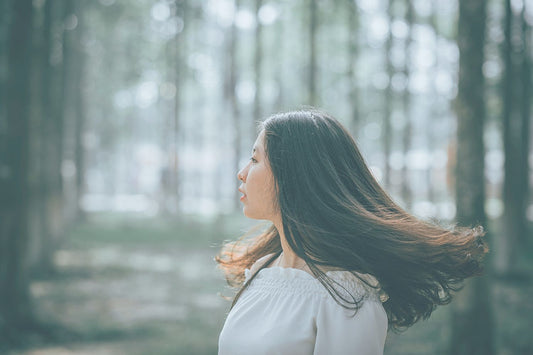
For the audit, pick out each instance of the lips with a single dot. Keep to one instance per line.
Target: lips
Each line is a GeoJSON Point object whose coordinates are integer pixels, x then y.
{"type": "Point", "coordinates": [242, 192]}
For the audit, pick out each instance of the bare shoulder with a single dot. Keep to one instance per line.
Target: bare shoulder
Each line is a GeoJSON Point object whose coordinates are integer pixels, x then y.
{"type": "Point", "coordinates": [260, 262]}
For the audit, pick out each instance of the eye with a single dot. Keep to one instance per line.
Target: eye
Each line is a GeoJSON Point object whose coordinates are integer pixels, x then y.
{"type": "Point", "coordinates": [253, 160]}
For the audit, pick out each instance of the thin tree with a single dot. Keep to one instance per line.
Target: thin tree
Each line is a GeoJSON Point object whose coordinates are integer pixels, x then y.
{"type": "Point", "coordinates": [353, 52]}
{"type": "Point", "coordinates": [434, 115]}
{"type": "Point", "coordinates": [471, 314]}
{"type": "Point", "coordinates": [258, 55]}
{"type": "Point", "coordinates": [527, 48]}
{"type": "Point", "coordinates": [4, 30]}
{"type": "Point", "coordinates": [175, 65]}
{"type": "Point", "coordinates": [280, 39]}
{"type": "Point", "coordinates": [230, 95]}
{"type": "Point", "coordinates": [79, 108]}
{"type": "Point", "coordinates": [38, 226]}
{"type": "Point", "coordinates": [53, 91]}
{"type": "Point", "coordinates": [406, 99]}
{"type": "Point", "coordinates": [516, 121]}
{"type": "Point", "coordinates": [180, 80]}
{"type": "Point", "coordinates": [15, 302]}
{"type": "Point", "coordinates": [311, 76]}
{"type": "Point", "coordinates": [388, 99]}
{"type": "Point", "coordinates": [71, 87]}
{"type": "Point", "coordinates": [41, 263]}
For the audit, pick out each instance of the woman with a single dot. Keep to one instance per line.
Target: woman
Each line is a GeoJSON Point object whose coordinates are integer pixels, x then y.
{"type": "Point", "coordinates": [341, 262]}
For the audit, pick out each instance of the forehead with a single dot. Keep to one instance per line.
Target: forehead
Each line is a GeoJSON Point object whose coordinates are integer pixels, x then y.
{"type": "Point", "coordinates": [258, 145]}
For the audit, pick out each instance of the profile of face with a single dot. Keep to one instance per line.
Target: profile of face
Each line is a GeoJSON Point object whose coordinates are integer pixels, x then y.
{"type": "Point", "coordinates": [258, 184]}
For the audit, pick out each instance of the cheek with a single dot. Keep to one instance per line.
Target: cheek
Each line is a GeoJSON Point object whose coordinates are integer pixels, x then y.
{"type": "Point", "coordinates": [265, 189]}
{"type": "Point", "coordinates": [258, 182]}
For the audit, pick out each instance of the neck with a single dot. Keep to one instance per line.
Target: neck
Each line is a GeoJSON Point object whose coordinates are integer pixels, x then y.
{"type": "Point", "coordinates": [288, 257]}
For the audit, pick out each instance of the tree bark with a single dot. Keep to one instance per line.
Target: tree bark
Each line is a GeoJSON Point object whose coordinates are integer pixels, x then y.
{"type": "Point", "coordinates": [37, 142]}
{"type": "Point", "coordinates": [353, 50]}
{"type": "Point", "coordinates": [4, 34]}
{"type": "Point", "coordinates": [231, 96]}
{"type": "Point", "coordinates": [406, 98]}
{"type": "Point", "coordinates": [52, 135]}
{"type": "Point", "coordinates": [258, 56]}
{"type": "Point", "coordinates": [15, 303]}
{"type": "Point", "coordinates": [79, 104]}
{"type": "Point", "coordinates": [71, 121]}
{"type": "Point", "coordinates": [526, 120]}
{"type": "Point", "coordinates": [280, 38]}
{"type": "Point", "coordinates": [435, 114]}
{"type": "Point", "coordinates": [388, 102]}
{"type": "Point", "coordinates": [313, 23]}
{"type": "Point", "coordinates": [180, 79]}
{"type": "Point", "coordinates": [516, 112]}
{"type": "Point", "coordinates": [471, 314]}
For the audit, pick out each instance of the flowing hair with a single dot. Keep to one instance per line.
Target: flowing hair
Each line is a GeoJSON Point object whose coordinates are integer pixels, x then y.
{"type": "Point", "coordinates": [335, 214]}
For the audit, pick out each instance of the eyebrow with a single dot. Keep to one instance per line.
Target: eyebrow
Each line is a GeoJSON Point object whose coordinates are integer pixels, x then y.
{"type": "Point", "coordinates": [256, 148]}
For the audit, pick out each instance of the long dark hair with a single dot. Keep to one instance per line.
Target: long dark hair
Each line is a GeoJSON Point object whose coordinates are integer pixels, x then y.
{"type": "Point", "coordinates": [335, 214]}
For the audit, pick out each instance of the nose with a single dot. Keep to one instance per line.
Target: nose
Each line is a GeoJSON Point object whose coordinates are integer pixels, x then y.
{"type": "Point", "coordinates": [241, 174]}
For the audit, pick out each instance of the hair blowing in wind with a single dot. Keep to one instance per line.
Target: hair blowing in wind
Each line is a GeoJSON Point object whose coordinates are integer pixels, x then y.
{"type": "Point", "coordinates": [335, 214]}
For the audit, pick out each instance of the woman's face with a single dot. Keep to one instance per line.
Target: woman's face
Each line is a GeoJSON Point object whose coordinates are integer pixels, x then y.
{"type": "Point", "coordinates": [257, 186]}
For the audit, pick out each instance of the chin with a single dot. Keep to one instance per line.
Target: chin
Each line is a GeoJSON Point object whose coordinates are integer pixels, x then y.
{"type": "Point", "coordinates": [251, 214]}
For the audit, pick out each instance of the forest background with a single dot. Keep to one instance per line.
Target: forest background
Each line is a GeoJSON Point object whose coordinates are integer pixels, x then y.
{"type": "Point", "coordinates": [123, 125]}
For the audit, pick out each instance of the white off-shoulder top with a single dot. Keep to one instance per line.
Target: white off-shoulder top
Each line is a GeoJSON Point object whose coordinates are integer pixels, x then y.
{"type": "Point", "coordinates": [288, 311]}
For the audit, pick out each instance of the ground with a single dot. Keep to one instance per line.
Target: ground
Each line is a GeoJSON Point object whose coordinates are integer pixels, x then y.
{"type": "Point", "coordinates": [151, 286]}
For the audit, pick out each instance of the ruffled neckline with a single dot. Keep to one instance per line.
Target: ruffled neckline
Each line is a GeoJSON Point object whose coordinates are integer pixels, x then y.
{"type": "Point", "coordinates": [277, 277]}
{"type": "Point", "coordinates": [288, 273]}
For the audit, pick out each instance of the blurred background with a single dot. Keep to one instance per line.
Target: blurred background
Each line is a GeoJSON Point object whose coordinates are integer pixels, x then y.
{"type": "Point", "coordinates": [123, 125]}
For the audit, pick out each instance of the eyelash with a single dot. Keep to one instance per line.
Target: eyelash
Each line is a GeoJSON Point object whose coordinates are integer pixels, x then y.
{"type": "Point", "coordinates": [253, 160]}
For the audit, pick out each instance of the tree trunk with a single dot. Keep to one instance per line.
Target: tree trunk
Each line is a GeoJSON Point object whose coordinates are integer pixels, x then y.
{"type": "Point", "coordinates": [471, 315]}
{"type": "Point", "coordinates": [388, 102]}
{"type": "Point", "coordinates": [37, 142]}
{"type": "Point", "coordinates": [4, 36]}
{"type": "Point", "coordinates": [434, 115]}
{"type": "Point", "coordinates": [258, 55]}
{"type": "Point", "coordinates": [52, 137]}
{"type": "Point", "coordinates": [406, 98]}
{"type": "Point", "coordinates": [15, 303]}
{"type": "Point", "coordinates": [353, 34]}
{"type": "Point", "coordinates": [313, 23]}
{"type": "Point", "coordinates": [230, 95]}
{"type": "Point", "coordinates": [42, 233]}
{"type": "Point", "coordinates": [71, 122]}
{"type": "Point", "coordinates": [79, 104]}
{"type": "Point", "coordinates": [175, 65]}
{"type": "Point", "coordinates": [516, 112]}
{"type": "Point", "coordinates": [280, 38]}
{"type": "Point", "coordinates": [526, 121]}
{"type": "Point", "coordinates": [110, 143]}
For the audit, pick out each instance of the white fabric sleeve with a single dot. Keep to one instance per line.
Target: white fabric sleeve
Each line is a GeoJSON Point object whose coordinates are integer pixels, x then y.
{"type": "Point", "coordinates": [338, 332]}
